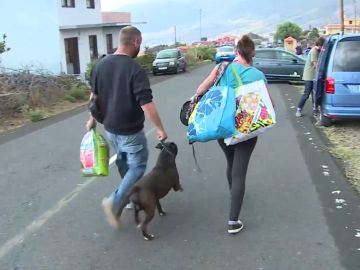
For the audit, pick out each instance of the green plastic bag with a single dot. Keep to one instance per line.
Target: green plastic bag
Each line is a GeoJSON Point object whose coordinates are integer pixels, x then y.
{"type": "Point", "coordinates": [94, 154]}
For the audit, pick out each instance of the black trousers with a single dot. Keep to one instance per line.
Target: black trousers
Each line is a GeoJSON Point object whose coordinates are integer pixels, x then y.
{"type": "Point", "coordinates": [237, 157]}
{"type": "Point", "coordinates": [308, 90]}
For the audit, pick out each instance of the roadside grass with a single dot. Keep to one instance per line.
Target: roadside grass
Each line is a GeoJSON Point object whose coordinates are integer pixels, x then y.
{"type": "Point", "coordinates": [26, 116]}
{"type": "Point", "coordinates": [344, 137]}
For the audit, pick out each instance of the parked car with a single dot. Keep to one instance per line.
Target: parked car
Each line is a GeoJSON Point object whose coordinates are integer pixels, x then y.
{"type": "Point", "coordinates": [225, 53]}
{"type": "Point", "coordinates": [279, 64]}
{"type": "Point", "coordinates": [169, 61]}
{"type": "Point", "coordinates": [337, 80]}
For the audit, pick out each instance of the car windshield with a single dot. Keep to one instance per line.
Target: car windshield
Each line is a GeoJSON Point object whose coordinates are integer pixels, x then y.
{"type": "Point", "coordinates": [167, 54]}
{"type": "Point", "coordinates": [225, 49]}
{"type": "Point", "coordinates": [347, 56]}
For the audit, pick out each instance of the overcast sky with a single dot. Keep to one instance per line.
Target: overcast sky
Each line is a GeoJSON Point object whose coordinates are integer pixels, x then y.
{"type": "Point", "coordinates": [220, 17]}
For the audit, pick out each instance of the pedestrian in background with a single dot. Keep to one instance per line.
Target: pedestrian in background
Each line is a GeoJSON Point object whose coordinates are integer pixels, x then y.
{"type": "Point", "coordinates": [237, 155]}
{"type": "Point", "coordinates": [309, 77]}
{"type": "Point", "coordinates": [123, 92]}
{"type": "Point", "coordinates": [299, 50]}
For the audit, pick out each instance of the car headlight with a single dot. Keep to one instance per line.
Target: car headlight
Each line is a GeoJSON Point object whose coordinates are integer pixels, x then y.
{"type": "Point", "coordinates": [154, 64]}
{"type": "Point", "coordinates": [172, 63]}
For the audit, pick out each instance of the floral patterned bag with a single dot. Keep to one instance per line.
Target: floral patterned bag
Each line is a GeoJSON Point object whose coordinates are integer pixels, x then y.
{"type": "Point", "coordinates": [254, 110]}
{"type": "Point", "coordinates": [214, 115]}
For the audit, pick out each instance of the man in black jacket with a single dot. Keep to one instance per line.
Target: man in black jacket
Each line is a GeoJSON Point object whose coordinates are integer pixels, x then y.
{"type": "Point", "coordinates": [122, 90]}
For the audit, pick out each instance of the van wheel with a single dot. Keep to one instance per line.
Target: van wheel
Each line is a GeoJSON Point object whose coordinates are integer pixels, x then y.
{"type": "Point", "coordinates": [324, 120]}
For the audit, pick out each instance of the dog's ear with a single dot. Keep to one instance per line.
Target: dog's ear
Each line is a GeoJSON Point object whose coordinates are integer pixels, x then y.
{"type": "Point", "coordinates": [159, 146]}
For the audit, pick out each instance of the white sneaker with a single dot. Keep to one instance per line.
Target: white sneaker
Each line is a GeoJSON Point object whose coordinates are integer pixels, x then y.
{"type": "Point", "coordinates": [298, 113]}
{"type": "Point", "coordinates": [130, 205]}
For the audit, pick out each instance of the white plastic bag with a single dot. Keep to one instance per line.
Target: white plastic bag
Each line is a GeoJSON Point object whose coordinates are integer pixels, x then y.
{"type": "Point", "coordinates": [254, 112]}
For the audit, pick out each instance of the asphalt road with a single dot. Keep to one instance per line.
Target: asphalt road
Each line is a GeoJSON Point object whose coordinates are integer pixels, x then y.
{"type": "Point", "coordinates": [299, 212]}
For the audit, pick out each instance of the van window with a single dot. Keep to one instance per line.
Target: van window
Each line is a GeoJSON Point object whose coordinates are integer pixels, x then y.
{"type": "Point", "coordinates": [347, 56]}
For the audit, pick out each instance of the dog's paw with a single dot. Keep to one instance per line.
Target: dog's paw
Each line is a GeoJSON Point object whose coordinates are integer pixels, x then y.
{"type": "Point", "coordinates": [149, 237]}
{"type": "Point", "coordinates": [162, 214]}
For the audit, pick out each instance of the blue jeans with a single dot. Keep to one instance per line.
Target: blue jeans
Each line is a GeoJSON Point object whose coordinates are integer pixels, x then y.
{"type": "Point", "coordinates": [132, 156]}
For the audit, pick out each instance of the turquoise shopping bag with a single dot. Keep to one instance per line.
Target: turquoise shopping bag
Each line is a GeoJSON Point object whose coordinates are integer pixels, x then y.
{"type": "Point", "coordinates": [214, 115]}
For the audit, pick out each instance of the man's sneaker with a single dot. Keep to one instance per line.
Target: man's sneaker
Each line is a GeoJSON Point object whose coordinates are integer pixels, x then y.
{"type": "Point", "coordinates": [110, 217]}
{"type": "Point", "coordinates": [235, 228]}
{"type": "Point", "coordinates": [298, 113]}
{"type": "Point", "coordinates": [315, 113]}
{"type": "Point", "coordinates": [130, 205]}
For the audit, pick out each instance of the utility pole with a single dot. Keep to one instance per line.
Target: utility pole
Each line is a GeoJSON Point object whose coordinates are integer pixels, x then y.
{"type": "Point", "coordinates": [175, 34]}
{"type": "Point", "coordinates": [355, 19]}
{"type": "Point", "coordinates": [342, 16]}
{"type": "Point", "coordinates": [200, 24]}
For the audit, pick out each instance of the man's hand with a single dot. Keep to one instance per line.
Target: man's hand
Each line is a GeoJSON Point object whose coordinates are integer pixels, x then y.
{"type": "Point", "coordinates": [91, 123]}
{"type": "Point", "coordinates": [161, 135]}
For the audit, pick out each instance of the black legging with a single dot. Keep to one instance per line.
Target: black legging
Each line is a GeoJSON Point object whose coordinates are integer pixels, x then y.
{"type": "Point", "coordinates": [237, 157]}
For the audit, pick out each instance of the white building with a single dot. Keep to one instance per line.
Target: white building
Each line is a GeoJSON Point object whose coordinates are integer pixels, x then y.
{"type": "Point", "coordinates": [58, 36]}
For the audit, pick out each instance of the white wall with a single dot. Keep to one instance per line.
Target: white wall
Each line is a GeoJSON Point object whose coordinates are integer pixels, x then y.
{"type": "Point", "coordinates": [80, 14]}
{"type": "Point", "coordinates": [32, 34]}
{"type": "Point", "coordinates": [83, 44]}
{"type": "Point", "coordinates": [115, 34]}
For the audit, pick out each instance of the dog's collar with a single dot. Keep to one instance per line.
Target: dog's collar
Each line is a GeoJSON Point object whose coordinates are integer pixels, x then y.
{"type": "Point", "coordinates": [166, 148]}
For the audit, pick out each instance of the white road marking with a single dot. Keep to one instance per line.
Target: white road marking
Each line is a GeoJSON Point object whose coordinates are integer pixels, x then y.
{"type": "Point", "coordinates": [340, 201]}
{"type": "Point", "coordinates": [40, 221]}
{"type": "Point", "coordinates": [336, 192]}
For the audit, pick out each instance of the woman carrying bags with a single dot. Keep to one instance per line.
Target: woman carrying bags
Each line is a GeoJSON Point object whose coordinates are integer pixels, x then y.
{"type": "Point", "coordinates": [237, 155]}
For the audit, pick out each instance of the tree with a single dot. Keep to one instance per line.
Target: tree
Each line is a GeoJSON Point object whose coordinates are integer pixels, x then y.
{"type": "Point", "coordinates": [287, 29]}
{"type": "Point", "coordinates": [204, 39]}
{"type": "Point", "coordinates": [3, 47]}
{"type": "Point", "coordinates": [314, 33]}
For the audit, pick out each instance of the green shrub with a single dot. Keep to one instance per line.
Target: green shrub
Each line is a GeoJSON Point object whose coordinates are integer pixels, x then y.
{"type": "Point", "coordinates": [70, 98]}
{"type": "Point", "coordinates": [145, 61]}
{"type": "Point", "coordinates": [89, 68]}
{"type": "Point", "coordinates": [197, 54]}
{"type": "Point", "coordinates": [37, 115]}
{"type": "Point", "coordinates": [191, 57]}
{"type": "Point", "coordinates": [206, 53]}
{"type": "Point", "coordinates": [78, 91]}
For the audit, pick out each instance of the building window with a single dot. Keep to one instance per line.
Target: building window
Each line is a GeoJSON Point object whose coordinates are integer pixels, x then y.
{"type": "Point", "coordinates": [90, 3]}
{"type": "Point", "coordinates": [109, 43]}
{"type": "Point", "coordinates": [68, 3]}
{"type": "Point", "coordinates": [93, 47]}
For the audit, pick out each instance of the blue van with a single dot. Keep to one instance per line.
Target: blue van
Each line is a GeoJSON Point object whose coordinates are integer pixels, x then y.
{"type": "Point", "coordinates": [337, 82]}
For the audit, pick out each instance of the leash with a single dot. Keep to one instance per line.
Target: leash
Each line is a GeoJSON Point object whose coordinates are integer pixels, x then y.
{"type": "Point", "coordinates": [198, 169]}
{"type": "Point", "coordinates": [165, 147]}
